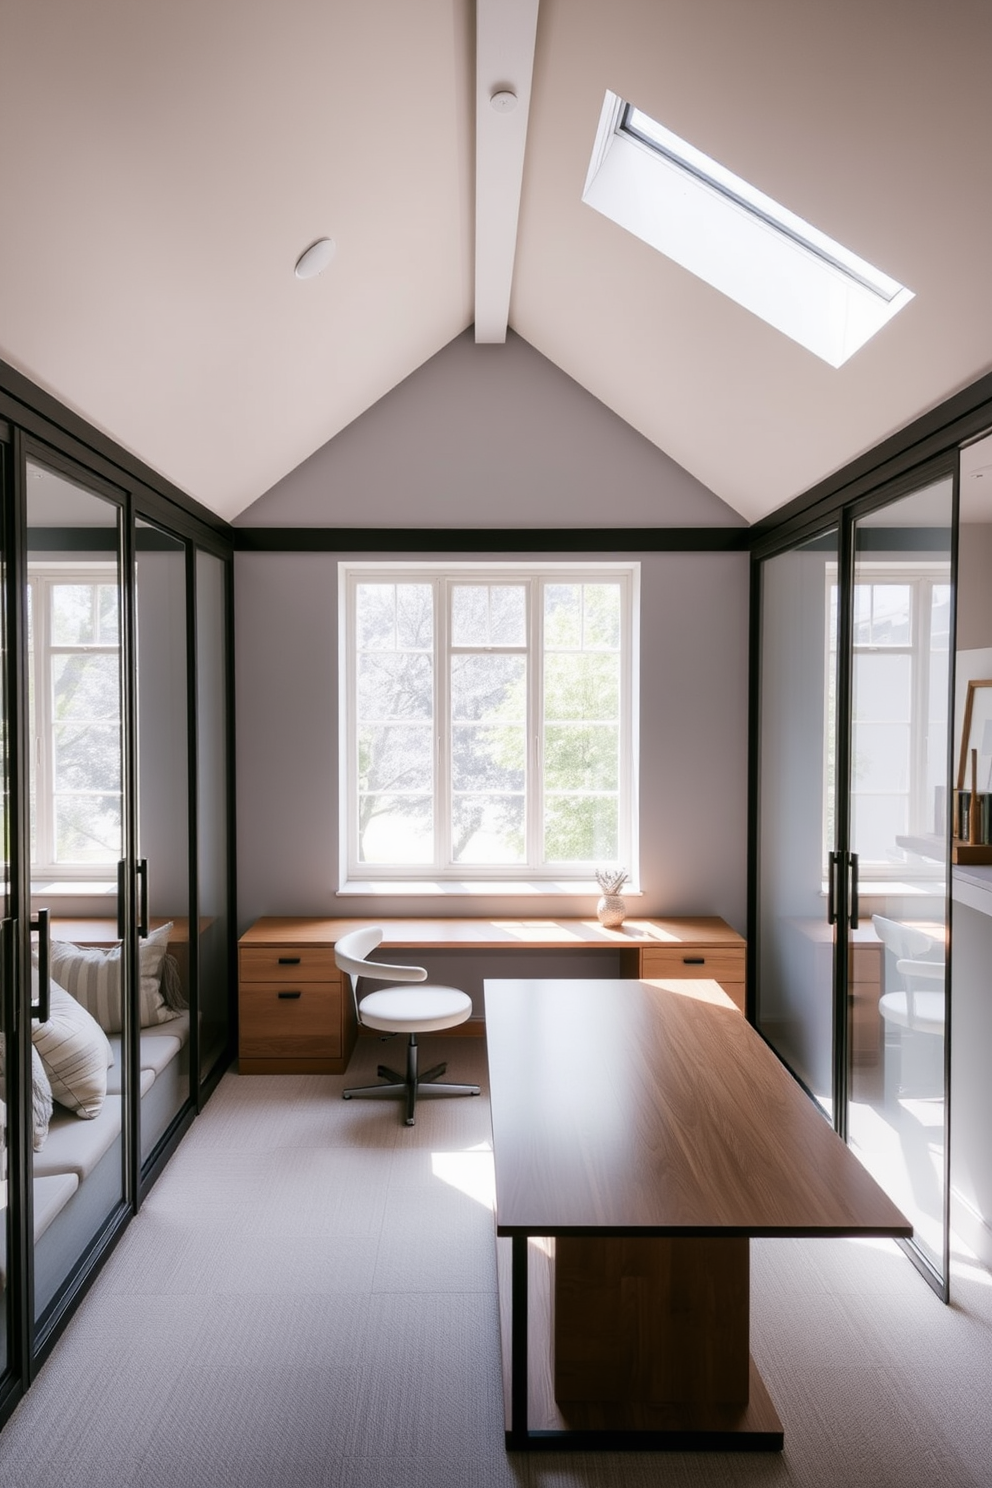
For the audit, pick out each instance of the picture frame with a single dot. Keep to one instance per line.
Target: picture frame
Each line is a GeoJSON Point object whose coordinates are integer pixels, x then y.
{"type": "Point", "coordinates": [976, 733]}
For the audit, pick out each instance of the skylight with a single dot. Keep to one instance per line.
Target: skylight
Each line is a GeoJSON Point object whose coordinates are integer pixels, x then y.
{"type": "Point", "coordinates": [731, 235]}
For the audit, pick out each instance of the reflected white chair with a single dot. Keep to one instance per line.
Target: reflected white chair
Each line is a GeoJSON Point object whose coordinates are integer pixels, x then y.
{"type": "Point", "coordinates": [428, 1009]}
{"type": "Point", "coordinates": [919, 1006]}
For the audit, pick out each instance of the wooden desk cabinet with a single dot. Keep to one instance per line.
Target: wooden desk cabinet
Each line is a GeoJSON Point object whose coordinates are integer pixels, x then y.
{"type": "Point", "coordinates": [295, 1012]}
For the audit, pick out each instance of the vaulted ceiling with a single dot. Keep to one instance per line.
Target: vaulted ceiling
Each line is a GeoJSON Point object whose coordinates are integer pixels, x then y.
{"type": "Point", "coordinates": [166, 164]}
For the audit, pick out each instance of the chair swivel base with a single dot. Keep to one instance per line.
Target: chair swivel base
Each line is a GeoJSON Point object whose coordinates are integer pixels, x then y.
{"type": "Point", "coordinates": [408, 1087]}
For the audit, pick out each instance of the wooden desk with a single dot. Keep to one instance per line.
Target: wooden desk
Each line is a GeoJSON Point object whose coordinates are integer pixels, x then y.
{"type": "Point", "coordinates": [650, 1144]}
{"type": "Point", "coordinates": [295, 1016]}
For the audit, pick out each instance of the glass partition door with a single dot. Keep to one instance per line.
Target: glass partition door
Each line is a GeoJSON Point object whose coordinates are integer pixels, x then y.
{"type": "Point", "coordinates": [853, 837]}
{"type": "Point", "coordinates": [900, 770]}
{"type": "Point", "coordinates": [796, 831]}
{"type": "Point", "coordinates": [76, 790]}
{"type": "Point", "coordinates": [163, 812]}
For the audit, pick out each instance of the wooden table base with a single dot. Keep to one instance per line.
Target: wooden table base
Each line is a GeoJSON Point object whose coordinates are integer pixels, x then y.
{"type": "Point", "coordinates": [697, 1284]}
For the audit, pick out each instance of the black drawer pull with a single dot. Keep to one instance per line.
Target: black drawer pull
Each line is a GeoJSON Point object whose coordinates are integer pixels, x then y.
{"type": "Point", "coordinates": [290, 996]}
{"type": "Point", "coordinates": [290, 960]}
{"type": "Point", "coordinates": [693, 960]}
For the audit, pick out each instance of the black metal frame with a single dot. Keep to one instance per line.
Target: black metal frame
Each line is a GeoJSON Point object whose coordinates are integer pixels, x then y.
{"type": "Point", "coordinates": [850, 503]}
{"type": "Point", "coordinates": [33, 425]}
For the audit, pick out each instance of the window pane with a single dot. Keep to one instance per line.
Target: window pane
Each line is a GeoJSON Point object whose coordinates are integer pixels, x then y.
{"type": "Point", "coordinates": [395, 757]}
{"type": "Point", "coordinates": [581, 757]}
{"type": "Point", "coordinates": [86, 686]}
{"type": "Point", "coordinates": [488, 615]}
{"type": "Point", "coordinates": [881, 757]}
{"type": "Point", "coordinates": [562, 616]}
{"type": "Point", "coordinates": [107, 612]}
{"type": "Point", "coordinates": [489, 687]}
{"type": "Point", "coordinates": [876, 822]}
{"type": "Point", "coordinates": [487, 829]}
{"type": "Point", "coordinates": [580, 829]}
{"type": "Point", "coordinates": [395, 829]}
{"type": "Point", "coordinates": [890, 621]}
{"type": "Point", "coordinates": [488, 757]}
{"type": "Point", "coordinates": [395, 685]}
{"type": "Point", "coordinates": [73, 614]}
{"type": "Point", "coordinates": [581, 687]}
{"type": "Point", "coordinates": [393, 617]}
{"type": "Point", "coordinates": [882, 687]}
{"type": "Point", "coordinates": [87, 828]}
{"type": "Point", "coordinates": [87, 756]}
{"type": "Point", "coordinates": [601, 629]}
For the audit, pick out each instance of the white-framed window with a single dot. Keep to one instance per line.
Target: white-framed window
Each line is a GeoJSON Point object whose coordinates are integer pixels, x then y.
{"type": "Point", "coordinates": [899, 715]}
{"type": "Point", "coordinates": [74, 688]}
{"type": "Point", "coordinates": [488, 721]}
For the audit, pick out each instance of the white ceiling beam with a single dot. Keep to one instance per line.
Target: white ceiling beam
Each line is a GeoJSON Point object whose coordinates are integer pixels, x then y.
{"type": "Point", "coordinates": [506, 31]}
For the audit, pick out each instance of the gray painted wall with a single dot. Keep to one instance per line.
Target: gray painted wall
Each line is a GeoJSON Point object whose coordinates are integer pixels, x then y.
{"type": "Point", "coordinates": [693, 742]}
{"type": "Point", "coordinates": [486, 437]}
{"type": "Point", "coordinates": [974, 585]}
{"type": "Point", "coordinates": [489, 436]}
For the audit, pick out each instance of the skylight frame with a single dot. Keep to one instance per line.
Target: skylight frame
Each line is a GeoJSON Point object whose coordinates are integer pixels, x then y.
{"type": "Point", "coordinates": [734, 237]}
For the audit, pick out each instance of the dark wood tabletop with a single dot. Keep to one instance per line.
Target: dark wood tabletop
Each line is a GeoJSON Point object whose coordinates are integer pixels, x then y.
{"type": "Point", "coordinates": [629, 1108]}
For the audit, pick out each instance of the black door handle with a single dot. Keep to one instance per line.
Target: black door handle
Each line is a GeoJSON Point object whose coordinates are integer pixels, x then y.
{"type": "Point", "coordinates": [42, 1009]}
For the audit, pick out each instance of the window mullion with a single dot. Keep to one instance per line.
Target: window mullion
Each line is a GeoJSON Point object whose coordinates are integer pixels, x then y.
{"type": "Point", "coordinates": [43, 745]}
{"type": "Point", "coordinates": [535, 724]}
{"type": "Point", "coordinates": [442, 725]}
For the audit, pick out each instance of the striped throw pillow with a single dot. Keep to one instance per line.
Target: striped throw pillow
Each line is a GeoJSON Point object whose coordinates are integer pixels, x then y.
{"type": "Point", "coordinates": [93, 977]}
{"type": "Point", "coordinates": [75, 1052]}
{"type": "Point", "coordinates": [41, 1095]}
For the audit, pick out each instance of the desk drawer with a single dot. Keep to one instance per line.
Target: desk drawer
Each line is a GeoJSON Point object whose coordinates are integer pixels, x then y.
{"type": "Point", "coordinates": [281, 1021]}
{"type": "Point", "coordinates": [285, 963]}
{"type": "Point", "coordinates": [723, 965]}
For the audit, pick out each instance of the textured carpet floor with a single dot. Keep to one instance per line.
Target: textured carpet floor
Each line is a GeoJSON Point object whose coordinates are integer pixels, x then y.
{"type": "Point", "coordinates": [308, 1298]}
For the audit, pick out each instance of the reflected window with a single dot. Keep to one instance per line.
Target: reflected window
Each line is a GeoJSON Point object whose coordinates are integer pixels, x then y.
{"type": "Point", "coordinates": [901, 620]}
{"type": "Point", "coordinates": [75, 722]}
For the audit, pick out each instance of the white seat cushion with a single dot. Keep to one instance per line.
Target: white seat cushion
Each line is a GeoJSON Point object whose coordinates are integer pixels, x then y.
{"type": "Point", "coordinates": [115, 1077]}
{"type": "Point", "coordinates": [928, 1010]}
{"type": "Point", "coordinates": [76, 1146]}
{"type": "Point", "coordinates": [420, 1009]}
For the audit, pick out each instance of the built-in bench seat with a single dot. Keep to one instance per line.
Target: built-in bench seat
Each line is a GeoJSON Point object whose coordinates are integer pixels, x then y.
{"type": "Point", "coordinates": [77, 1173]}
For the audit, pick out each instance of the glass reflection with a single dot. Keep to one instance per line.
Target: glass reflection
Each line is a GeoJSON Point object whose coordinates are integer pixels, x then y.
{"type": "Point", "coordinates": [899, 829]}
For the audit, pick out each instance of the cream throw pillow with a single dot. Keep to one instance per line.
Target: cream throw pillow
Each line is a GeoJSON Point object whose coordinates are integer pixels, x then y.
{"type": "Point", "coordinates": [94, 979]}
{"type": "Point", "coordinates": [41, 1095]}
{"type": "Point", "coordinates": [75, 1053]}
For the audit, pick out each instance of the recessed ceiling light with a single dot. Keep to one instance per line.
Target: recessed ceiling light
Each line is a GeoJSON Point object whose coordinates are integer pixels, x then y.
{"type": "Point", "coordinates": [503, 101]}
{"type": "Point", "coordinates": [315, 259]}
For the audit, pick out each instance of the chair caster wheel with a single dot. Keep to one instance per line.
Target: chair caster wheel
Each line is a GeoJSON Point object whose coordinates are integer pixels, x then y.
{"type": "Point", "coordinates": [346, 1094]}
{"type": "Point", "coordinates": [409, 1121]}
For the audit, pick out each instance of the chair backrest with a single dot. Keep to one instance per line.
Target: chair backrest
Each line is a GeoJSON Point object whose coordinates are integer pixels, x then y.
{"type": "Point", "coordinates": [351, 953]}
{"type": "Point", "coordinates": [903, 940]}
{"type": "Point", "coordinates": [908, 944]}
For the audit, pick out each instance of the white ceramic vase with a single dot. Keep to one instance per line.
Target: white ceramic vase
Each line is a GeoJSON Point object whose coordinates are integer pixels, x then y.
{"type": "Point", "coordinates": [611, 909]}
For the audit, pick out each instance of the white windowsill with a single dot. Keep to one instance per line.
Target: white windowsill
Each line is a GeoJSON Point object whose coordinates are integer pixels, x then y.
{"type": "Point", "coordinates": [479, 888]}
{"type": "Point", "coordinates": [78, 888]}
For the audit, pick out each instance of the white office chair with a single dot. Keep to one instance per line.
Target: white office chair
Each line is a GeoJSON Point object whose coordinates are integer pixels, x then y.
{"type": "Point", "coordinates": [395, 1010]}
{"type": "Point", "coordinates": [918, 1007]}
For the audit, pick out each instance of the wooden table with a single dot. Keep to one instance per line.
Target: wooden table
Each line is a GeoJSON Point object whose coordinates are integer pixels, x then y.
{"type": "Point", "coordinates": [644, 1131]}
{"type": "Point", "coordinates": [295, 1016]}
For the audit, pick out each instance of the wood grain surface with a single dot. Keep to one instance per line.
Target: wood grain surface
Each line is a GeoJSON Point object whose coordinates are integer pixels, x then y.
{"type": "Point", "coordinates": [483, 934]}
{"type": "Point", "coordinates": [631, 1108]}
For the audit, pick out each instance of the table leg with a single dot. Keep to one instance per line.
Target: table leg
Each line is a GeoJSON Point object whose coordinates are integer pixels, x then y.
{"type": "Point", "coordinates": [518, 1345]}
{"type": "Point", "coordinates": [657, 1320]}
